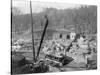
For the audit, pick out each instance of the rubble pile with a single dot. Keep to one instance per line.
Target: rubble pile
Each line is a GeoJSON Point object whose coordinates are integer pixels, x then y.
{"type": "Point", "coordinates": [80, 50]}
{"type": "Point", "coordinates": [21, 44]}
{"type": "Point", "coordinates": [55, 47]}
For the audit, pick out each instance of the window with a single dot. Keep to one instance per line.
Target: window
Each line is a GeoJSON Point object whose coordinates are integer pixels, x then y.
{"type": "Point", "coordinates": [60, 36]}
{"type": "Point", "coordinates": [68, 36]}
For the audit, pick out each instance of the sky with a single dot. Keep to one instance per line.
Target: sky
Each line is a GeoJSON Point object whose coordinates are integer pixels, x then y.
{"type": "Point", "coordinates": [37, 6]}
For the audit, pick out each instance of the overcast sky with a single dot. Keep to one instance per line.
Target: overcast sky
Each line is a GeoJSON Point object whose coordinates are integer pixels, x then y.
{"type": "Point", "coordinates": [38, 6]}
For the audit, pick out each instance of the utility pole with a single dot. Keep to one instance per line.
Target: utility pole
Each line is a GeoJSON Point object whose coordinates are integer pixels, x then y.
{"type": "Point", "coordinates": [32, 32]}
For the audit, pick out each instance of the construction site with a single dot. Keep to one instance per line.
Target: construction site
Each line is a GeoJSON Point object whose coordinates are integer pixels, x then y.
{"type": "Point", "coordinates": [52, 49]}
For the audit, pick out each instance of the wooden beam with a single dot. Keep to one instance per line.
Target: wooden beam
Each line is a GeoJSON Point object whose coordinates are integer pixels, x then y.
{"type": "Point", "coordinates": [42, 38]}
{"type": "Point", "coordinates": [32, 32]}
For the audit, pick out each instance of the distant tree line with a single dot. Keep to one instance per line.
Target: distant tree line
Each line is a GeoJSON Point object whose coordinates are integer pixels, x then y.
{"type": "Point", "coordinates": [84, 19]}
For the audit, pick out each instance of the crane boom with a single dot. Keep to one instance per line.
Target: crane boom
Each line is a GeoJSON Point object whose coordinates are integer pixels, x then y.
{"type": "Point", "coordinates": [42, 38]}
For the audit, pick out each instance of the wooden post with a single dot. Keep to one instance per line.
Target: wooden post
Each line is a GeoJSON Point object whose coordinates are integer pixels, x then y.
{"type": "Point", "coordinates": [32, 32]}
